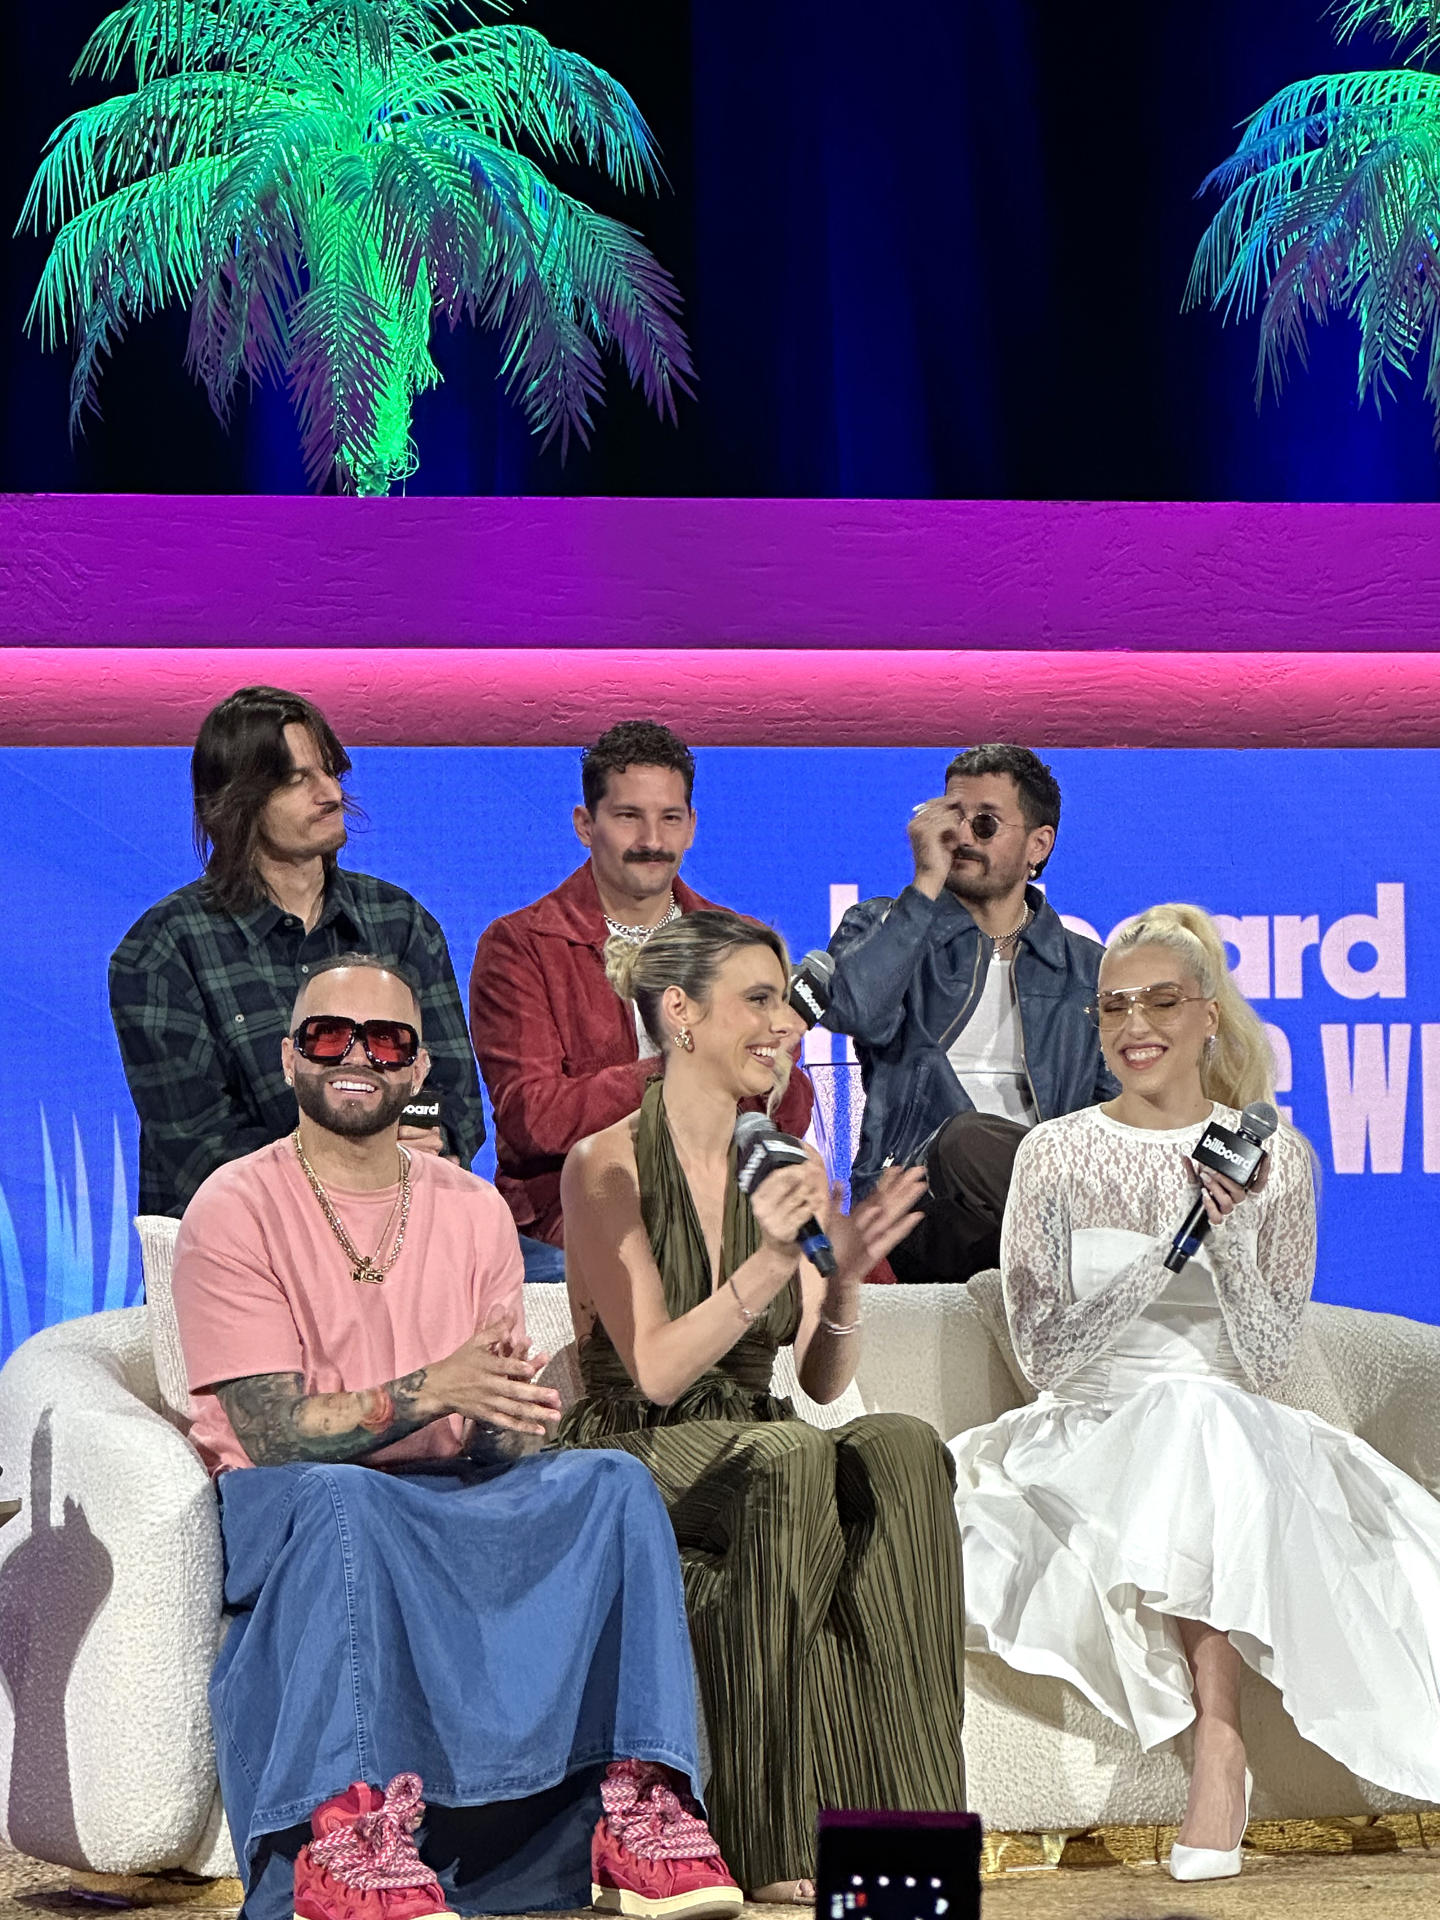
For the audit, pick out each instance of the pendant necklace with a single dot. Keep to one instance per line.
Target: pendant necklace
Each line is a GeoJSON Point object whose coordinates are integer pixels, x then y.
{"type": "Point", "coordinates": [365, 1273]}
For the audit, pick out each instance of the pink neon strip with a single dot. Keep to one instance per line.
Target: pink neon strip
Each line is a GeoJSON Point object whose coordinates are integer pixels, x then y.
{"type": "Point", "coordinates": [513, 697]}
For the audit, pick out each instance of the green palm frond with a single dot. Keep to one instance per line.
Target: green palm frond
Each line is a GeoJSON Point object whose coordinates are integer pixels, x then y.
{"type": "Point", "coordinates": [1413, 26]}
{"type": "Point", "coordinates": [1332, 206]}
{"type": "Point", "coordinates": [320, 181]}
{"type": "Point", "coordinates": [560, 103]}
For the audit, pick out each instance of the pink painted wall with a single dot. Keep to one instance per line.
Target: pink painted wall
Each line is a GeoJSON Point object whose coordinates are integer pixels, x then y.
{"type": "Point", "coordinates": [741, 621]}
{"type": "Point", "coordinates": [513, 697]}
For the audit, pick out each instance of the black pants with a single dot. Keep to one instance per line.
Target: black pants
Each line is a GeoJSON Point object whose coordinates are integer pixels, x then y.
{"type": "Point", "coordinates": [968, 1166]}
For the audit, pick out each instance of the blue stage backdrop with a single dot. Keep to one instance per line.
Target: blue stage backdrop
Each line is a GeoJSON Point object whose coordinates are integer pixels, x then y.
{"type": "Point", "coordinates": [1318, 859]}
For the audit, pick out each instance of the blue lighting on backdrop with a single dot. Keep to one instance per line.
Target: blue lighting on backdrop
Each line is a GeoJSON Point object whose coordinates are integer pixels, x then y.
{"type": "Point", "coordinates": [1334, 909]}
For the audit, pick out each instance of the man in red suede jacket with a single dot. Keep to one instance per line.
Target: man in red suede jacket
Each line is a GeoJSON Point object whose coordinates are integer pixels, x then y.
{"type": "Point", "coordinates": [559, 1050]}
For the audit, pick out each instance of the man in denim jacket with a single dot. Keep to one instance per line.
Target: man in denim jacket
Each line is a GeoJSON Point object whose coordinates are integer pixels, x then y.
{"type": "Point", "coordinates": [968, 1003]}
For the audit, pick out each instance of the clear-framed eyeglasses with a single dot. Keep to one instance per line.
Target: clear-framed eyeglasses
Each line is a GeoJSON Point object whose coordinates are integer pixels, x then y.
{"type": "Point", "coordinates": [1163, 1003]}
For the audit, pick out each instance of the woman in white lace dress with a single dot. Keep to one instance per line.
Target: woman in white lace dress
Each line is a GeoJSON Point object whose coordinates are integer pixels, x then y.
{"type": "Point", "coordinates": [1154, 1518]}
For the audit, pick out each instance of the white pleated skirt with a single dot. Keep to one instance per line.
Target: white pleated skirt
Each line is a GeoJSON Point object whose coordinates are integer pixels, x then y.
{"type": "Point", "coordinates": [1088, 1529]}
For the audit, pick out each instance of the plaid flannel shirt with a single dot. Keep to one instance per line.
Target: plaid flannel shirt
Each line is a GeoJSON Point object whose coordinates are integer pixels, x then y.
{"type": "Point", "coordinates": [202, 998]}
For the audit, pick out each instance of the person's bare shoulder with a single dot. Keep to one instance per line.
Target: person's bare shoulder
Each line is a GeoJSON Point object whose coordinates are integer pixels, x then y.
{"type": "Point", "coordinates": [611, 1150]}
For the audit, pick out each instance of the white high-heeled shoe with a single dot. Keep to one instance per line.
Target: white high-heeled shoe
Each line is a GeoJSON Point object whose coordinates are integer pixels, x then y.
{"type": "Point", "coordinates": [1211, 1863]}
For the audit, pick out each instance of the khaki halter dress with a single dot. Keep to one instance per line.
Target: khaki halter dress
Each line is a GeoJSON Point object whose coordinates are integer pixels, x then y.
{"type": "Point", "coordinates": [822, 1567]}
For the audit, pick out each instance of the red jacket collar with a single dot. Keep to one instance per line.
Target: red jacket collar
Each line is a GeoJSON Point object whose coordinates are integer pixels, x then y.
{"type": "Point", "coordinates": [573, 912]}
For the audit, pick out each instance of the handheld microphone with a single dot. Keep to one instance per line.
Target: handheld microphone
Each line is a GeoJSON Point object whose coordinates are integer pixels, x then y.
{"type": "Point", "coordinates": [762, 1150]}
{"type": "Point", "coordinates": [810, 986]}
{"type": "Point", "coordinates": [1238, 1157]}
{"type": "Point", "coordinates": [423, 1110]}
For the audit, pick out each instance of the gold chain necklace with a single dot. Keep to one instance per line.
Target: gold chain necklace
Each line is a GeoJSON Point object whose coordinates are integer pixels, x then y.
{"type": "Point", "coordinates": [365, 1273]}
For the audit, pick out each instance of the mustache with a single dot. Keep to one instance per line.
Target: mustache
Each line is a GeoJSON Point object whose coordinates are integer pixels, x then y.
{"type": "Point", "coordinates": [649, 856]}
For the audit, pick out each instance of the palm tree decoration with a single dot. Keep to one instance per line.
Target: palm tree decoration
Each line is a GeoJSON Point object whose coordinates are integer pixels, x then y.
{"type": "Point", "coordinates": [321, 181]}
{"type": "Point", "coordinates": [1332, 205]}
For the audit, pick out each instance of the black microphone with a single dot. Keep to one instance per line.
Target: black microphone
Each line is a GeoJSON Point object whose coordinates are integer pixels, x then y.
{"type": "Point", "coordinates": [423, 1110]}
{"type": "Point", "coordinates": [810, 986]}
{"type": "Point", "coordinates": [1238, 1157]}
{"type": "Point", "coordinates": [762, 1150]}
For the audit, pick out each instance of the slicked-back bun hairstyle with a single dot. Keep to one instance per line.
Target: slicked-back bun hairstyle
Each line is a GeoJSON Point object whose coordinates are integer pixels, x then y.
{"type": "Point", "coordinates": [687, 954]}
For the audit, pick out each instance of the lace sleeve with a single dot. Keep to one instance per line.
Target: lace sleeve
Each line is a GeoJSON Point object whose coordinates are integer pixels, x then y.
{"type": "Point", "coordinates": [1054, 1334]}
{"type": "Point", "coordinates": [1263, 1276]}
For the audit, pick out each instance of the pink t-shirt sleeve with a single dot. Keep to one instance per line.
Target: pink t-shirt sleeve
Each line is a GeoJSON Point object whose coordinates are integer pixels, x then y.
{"type": "Point", "coordinates": [233, 1316]}
{"type": "Point", "coordinates": [499, 1265]}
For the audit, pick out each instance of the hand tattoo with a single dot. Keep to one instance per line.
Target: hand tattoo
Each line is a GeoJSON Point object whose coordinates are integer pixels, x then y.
{"type": "Point", "coordinates": [277, 1422]}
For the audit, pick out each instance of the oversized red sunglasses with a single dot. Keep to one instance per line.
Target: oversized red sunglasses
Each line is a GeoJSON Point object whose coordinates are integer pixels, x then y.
{"type": "Point", "coordinates": [326, 1038]}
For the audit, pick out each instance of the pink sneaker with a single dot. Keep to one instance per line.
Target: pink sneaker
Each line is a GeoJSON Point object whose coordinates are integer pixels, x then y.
{"type": "Point", "coordinates": [652, 1854]}
{"type": "Point", "coordinates": [363, 1863]}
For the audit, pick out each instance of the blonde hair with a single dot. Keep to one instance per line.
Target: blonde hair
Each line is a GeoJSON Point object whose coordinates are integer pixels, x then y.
{"type": "Point", "coordinates": [688, 953]}
{"type": "Point", "coordinates": [1240, 1067]}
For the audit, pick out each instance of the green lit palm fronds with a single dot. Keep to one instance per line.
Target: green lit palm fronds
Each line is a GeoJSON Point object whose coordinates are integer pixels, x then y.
{"type": "Point", "coordinates": [1332, 205]}
{"type": "Point", "coordinates": [320, 181]}
{"type": "Point", "coordinates": [1412, 25]}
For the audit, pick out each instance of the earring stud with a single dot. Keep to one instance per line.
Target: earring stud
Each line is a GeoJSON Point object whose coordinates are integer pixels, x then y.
{"type": "Point", "coordinates": [684, 1038]}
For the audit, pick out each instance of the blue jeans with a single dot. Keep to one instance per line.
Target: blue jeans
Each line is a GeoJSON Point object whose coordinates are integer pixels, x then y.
{"type": "Point", "coordinates": [542, 1261]}
{"type": "Point", "coordinates": [498, 1631]}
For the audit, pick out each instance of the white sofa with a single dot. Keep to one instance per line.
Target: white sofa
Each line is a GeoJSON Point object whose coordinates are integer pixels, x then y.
{"type": "Point", "coordinates": [110, 1585]}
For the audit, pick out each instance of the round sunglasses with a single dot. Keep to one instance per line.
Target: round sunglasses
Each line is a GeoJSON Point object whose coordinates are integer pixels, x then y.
{"type": "Point", "coordinates": [326, 1038]}
{"type": "Point", "coordinates": [983, 825]}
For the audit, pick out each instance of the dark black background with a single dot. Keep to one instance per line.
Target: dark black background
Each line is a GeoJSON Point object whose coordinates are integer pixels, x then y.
{"type": "Point", "coordinates": [935, 250]}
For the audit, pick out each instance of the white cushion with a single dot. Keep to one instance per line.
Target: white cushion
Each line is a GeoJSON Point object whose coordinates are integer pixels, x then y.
{"type": "Point", "coordinates": [111, 1585]}
{"type": "Point", "coordinates": [157, 1233]}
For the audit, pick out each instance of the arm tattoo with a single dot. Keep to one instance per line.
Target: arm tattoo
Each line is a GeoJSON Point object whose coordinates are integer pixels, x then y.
{"type": "Point", "coordinates": [277, 1422]}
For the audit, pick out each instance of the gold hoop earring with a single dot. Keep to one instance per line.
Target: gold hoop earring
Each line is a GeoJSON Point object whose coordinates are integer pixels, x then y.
{"type": "Point", "coordinates": [684, 1038]}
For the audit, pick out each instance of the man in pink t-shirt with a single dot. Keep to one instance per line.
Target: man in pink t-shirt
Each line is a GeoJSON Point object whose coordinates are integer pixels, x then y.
{"type": "Point", "coordinates": [495, 1622]}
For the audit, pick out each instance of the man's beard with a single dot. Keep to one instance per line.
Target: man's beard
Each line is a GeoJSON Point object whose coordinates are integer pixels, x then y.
{"type": "Point", "coordinates": [974, 880]}
{"type": "Point", "coordinates": [351, 1123]}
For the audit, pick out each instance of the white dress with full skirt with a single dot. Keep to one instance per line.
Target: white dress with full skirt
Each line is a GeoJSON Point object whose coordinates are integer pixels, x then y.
{"type": "Point", "coordinates": [1154, 1479]}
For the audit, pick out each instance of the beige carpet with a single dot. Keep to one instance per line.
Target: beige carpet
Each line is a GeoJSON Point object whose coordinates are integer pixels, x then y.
{"type": "Point", "coordinates": [1355, 1869]}
{"type": "Point", "coordinates": [1324, 1870]}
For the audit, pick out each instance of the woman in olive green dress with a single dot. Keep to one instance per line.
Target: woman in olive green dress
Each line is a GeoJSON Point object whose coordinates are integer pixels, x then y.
{"type": "Point", "coordinates": [822, 1568]}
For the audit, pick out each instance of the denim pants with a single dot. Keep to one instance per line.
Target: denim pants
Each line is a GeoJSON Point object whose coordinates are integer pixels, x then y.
{"type": "Point", "coordinates": [500, 1632]}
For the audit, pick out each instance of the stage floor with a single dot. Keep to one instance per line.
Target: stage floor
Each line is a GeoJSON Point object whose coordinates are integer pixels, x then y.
{"type": "Point", "coordinates": [1393, 1873]}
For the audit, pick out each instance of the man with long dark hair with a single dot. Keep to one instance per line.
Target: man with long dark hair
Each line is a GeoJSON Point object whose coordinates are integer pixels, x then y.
{"type": "Point", "coordinates": [202, 985]}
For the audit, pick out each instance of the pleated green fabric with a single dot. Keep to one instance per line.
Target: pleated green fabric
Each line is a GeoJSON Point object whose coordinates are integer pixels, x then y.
{"type": "Point", "coordinates": [822, 1569]}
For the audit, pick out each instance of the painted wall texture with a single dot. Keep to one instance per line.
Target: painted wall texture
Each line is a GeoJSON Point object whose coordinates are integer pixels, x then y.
{"type": "Point", "coordinates": [422, 696]}
{"type": "Point", "coordinates": [116, 570]}
{"type": "Point", "coordinates": [487, 621]}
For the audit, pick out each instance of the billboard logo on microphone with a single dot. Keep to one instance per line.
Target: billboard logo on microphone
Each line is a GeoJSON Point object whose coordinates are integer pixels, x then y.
{"type": "Point", "coordinates": [800, 989]}
{"type": "Point", "coordinates": [1212, 1143]}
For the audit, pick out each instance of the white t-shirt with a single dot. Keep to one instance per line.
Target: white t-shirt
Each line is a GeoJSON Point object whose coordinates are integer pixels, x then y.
{"type": "Point", "coordinates": [987, 1056]}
